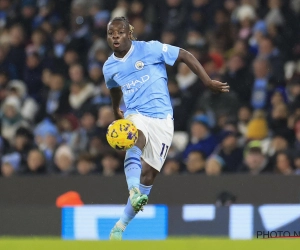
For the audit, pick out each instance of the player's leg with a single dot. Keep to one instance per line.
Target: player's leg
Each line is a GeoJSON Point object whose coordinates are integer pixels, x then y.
{"type": "Point", "coordinates": [138, 194]}
{"type": "Point", "coordinates": [148, 175]}
{"type": "Point", "coordinates": [155, 148]}
{"type": "Point", "coordinates": [147, 178]}
{"type": "Point", "coordinates": [132, 169]}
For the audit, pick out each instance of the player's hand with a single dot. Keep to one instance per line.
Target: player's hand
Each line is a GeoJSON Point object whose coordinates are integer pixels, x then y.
{"type": "Point", "coordinates": [119, 114]}
{"type": "Point", "coordinates": [218, 87]}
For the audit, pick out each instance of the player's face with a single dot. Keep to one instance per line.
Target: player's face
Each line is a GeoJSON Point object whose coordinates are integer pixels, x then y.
{"type": "Point", "coordinates": [118, 38]}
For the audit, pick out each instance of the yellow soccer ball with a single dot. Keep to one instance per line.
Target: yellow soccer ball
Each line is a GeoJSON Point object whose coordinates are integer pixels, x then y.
{"type": "Point", "coordinates": [122, 134]}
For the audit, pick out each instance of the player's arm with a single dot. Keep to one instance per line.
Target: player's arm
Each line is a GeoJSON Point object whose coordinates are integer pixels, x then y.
{"type": "Point", "coordinates": [116, 96]}
{"type": "Point", "coordinates": [196, 67]}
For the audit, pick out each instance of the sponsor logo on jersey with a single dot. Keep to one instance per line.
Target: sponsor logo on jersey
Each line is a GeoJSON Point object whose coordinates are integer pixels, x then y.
{"type": "Point", "coordinates": [134, 85]}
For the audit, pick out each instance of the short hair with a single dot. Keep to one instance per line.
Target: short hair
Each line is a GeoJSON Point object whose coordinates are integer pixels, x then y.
{"type": "Point", "coordinates": [199, 152]}
{"type": "Point", "coordinates": [77, 65]}
{"type": "Point", "coordinates": [87, 157]}
{"type": "Point", "coordinates": [261, 59]}
{"type": "Point", "coordinates": [128, 25]}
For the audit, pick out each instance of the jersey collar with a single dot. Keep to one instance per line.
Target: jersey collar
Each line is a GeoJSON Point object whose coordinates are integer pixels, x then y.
{"type": "Point", "coordinates": [126, 56]}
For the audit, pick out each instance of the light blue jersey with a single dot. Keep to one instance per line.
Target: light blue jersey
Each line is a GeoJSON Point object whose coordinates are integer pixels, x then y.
{"type": "Point", "coordinates": [142, 75]}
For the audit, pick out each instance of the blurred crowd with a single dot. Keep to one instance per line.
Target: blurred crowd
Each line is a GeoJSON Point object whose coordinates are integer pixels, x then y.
{"type": "Point", "coordinates": [55, 107]}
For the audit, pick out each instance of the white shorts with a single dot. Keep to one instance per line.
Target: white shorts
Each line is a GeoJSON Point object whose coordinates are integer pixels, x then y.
{"type": "Point", "coordinates": [159, 135]}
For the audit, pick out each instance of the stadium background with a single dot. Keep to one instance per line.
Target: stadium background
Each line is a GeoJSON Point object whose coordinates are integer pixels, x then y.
{"type": "Point", "coordinates": [55, 107]}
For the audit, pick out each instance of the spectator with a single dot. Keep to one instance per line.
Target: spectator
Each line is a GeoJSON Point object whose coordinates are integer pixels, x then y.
{"type": "Point", "coordinates": [213, 65]}
{"type": "Point", "coordinates": [88, 124]}
{"type": "Point", "coordinates": [283, 164]}
{"type": "Point", "coordinates": [64, 160]}
{"type": "Point", "coordinates": [103, 96]}
{"type": "Point", "coordinates": [80, 30]}
{"type": "Point", "coordinates": [4, 146]}
{"type": "Point", "coordinates": [180, 102]}
{"type": "Point", "coordinates": [38, 44]}
{"type": "Point", "coordinates": [171, 167]}
{"type": "Point", "coordinates": [268, 51]}
{"type": "Point", "coordinates": [17, 54]}
{"type": "Point", "coordinates": [246, 16]}
{"type": "Point", "coordinates": [279, 122]}
{"type": "Point", "coordinates": [297, 162]}
{"type": "Point", "coordinates": [237, 72]}
{"type": "Point", "coordinates": [29, 107]}
{"type": "Point", "coordinates": [68, 124]}
{"type": "Point", "coordinates": [81, 93]}
{"type": "Point", "coordinates": [28, 8]}
{"type": "Point", "coordinates": [105, 118]}
{"type": "Point", "coordinates": [100, 55]}
{"type": "Point", "coordinates": [46, 13]}
{"type": "Point", "coordinates": [141, 31]}
{"type": "Point", "coordinates": [293, 90]}
{"type": "Point", "coordinates": [10, 164]}
{"type": "Point", "coordinates": [97, 147]}
{"type": "Point", "coordinates": [110, 164]}
{"type": "Point", "coordinates": [297, 134]}
{"type": "Point", "coordinates": [100, 16]}
{"type": "Point", "coordinates": [46, 78]}
{"type": "Point", "coordinates": [195, 39]}
{"type": "Point", "coordinates": [11, 118]}
{"type": "Point", "coordinates": [278, 97]}
{"type": "Point", "coordinates": [47, 138]}
{"type": "Point", "coordinates": [257, 128]}
{"type": "Point", "coordinates": [9, 13]}
{"type": "Point", "coordinates": [188, 84]}
{"type": "Point", "coordinates": [277, 144]}
{"type": "Point", "coordinates": [214, 165]}
{"type": "Point", "coordinates": [60, 42]}
{"type": "Point", "coordinates": [70, 57]}
{"type": "Point", "coordinates": [244, 116]}
{"type": "Point", "coordinates": [223, 31]}
{"type": "Point", "coordinates": [56, 100]}
{"type": "Point", "coordinates": [120, 9]}
{"type": "Point", "coordinates": [32, 75]}
{"type": "Point", "coordinates": [255, 162]}
{"type": "Point", "coordinates": [168, 36]}
{"type": "Point", "coordinates": [3, 85]}
{"type": "Point", "coordinates": [6, 65]}
{"type": "Point", "coordinates": [36, 163]}
{"type": "Point", "coordinates": [195, 162]}
{"type": "Point", "coordinates": [242, 49]}
{"type": "Point", "coordinates": [261, 85]}
{"type": "Point", "coordinates": [201, 137]}
{"type": "Point", "coordinates": [201, 15]}
{"type": "Point", "coordinates": [274, 15]}
{"type": "Point", "coordinates": [22, 143]}
{"type": "Point", "coordinates": [230, 152]}
{"type": "Point", "coordinates": [85, 165]}
{"type": "Point", "coordinates": [259, 31]}
{"type": "Point", "coordinates": [214, 103]}
{"type": "Point", "coordinates": [96, 75]}
{"type": "Point", "coordinates": [173, 14]}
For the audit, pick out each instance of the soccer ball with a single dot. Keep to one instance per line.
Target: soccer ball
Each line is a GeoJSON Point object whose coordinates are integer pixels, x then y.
{"type": "Point", "coordinates": [122, 134]}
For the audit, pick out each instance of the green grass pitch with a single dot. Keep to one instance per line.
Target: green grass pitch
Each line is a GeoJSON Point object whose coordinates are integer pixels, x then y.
{"type": "Point", "coordinates": [172, 244]}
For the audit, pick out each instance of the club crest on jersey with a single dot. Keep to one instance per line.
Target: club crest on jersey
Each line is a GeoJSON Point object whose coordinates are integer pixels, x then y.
{"type": "Point", "coordinates": [139, 65]}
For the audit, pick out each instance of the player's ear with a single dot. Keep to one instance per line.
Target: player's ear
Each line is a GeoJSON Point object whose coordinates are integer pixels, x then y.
{"type": "Point", "coordinates": [129, 34]}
